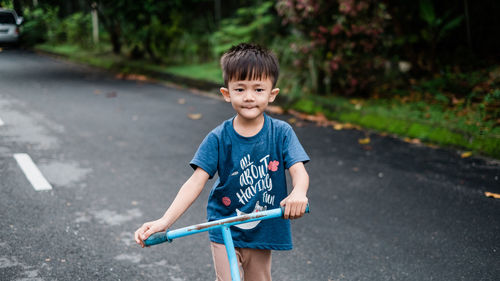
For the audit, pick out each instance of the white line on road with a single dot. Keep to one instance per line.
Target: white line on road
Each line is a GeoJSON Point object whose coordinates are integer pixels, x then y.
{"type": "Point", "coordinates": [32, 172]}
{"type": "Point", "coordinates": [1, 122]}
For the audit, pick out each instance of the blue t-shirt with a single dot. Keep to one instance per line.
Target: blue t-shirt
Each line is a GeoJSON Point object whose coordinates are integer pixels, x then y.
{"type": "Point", "coordinates": [251, 179]}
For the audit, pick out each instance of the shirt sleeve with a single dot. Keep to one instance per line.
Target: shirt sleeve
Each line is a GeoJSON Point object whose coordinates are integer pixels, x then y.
{"type": "Point", "coordinates": [293, 151]}
{"type": "Point", "coordinates": [207, 155]}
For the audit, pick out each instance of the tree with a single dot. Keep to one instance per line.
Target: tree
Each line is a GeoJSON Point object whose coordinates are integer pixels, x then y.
{"type": "Point", "coordinates": [341, 42]}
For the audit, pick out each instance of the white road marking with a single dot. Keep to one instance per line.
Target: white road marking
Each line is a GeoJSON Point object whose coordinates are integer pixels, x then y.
{"type": "Point", "coordinates": [1, 122]}
{"type": "Point", "coordinates": [32, 172]}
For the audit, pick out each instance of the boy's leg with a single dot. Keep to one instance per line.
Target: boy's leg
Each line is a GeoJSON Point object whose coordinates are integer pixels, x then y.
{"type": "Point", "coordinates": [221, 262]}
{"type": "Point", "coordinates": [256, 264]}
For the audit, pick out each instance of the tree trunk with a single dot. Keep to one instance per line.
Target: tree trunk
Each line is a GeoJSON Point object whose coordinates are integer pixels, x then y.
{"type": "Point", "coordinates": [149, 50]}
{"type": "Point", "coordinates": [114, 33]}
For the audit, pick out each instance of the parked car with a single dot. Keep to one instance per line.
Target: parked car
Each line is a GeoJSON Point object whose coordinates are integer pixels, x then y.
{"type": "Point", "coordinates": [9, 26]}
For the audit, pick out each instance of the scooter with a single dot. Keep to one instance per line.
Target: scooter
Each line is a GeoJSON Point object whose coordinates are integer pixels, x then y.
{"type": "Point", "coordinates": [223, 224]}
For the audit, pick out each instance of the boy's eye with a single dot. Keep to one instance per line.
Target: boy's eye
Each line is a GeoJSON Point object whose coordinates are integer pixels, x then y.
{"type": "Point", "coordinates": [259, 90]}
{"type": "Point", "coordinates": [239, 89]}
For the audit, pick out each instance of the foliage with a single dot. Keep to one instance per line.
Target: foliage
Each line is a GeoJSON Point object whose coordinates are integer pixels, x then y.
{"type": "Point", "coordinates": [7, 4]}
{"type": "Point", "coordinates": [188, 48]}
{"type": "Point", "coordinates": [293, 82]}
{"type": "Point", "coordinates": [77, 29]}
{"type": "Point", "coordinates": [430, 35]}
{"type": "Point", "coordinates": [342, 40]}
{"type": "Point", "coordinates": [40, 25]}
{"type": "Point", "coordinates": [460, 93]}
{"type": "Point", "coordinates": [159, 36]}
{"type": "Point", "coordinates": [436, 28]}
{"type": "Point", "coordinates": [426, 121]}
{"type": "Point", "coordinates": [43, 24]}
{"type": "Point", "coordinates": [251, 24]}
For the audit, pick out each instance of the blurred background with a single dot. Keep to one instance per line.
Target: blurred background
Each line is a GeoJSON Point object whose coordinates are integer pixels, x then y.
{"type": "Point", "coordinates": [423, 70]}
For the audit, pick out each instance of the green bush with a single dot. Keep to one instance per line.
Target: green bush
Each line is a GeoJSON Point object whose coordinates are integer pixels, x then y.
{"type": "Point", "coordinates": [160, 37]}
{"type": "Point", "coordinates": [40, 25]}
{"type": "Point", "coordinates": [341, 43]}
{"type": "Point", "coordinates": [77, 29]}
{"type": "Point", "coordinates": [251, 24]}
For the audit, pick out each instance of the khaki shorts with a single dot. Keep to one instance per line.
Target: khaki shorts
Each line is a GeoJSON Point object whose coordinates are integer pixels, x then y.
{"type": "Point", "coordinates": [254, 264]}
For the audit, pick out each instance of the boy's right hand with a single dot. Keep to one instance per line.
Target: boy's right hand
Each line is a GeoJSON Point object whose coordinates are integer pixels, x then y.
{"type": "Point", "coordinates": [149, 228]}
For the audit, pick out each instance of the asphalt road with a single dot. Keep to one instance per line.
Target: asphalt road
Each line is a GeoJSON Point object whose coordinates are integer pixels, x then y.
{"type": "Point", "coordinates": [117, 151]}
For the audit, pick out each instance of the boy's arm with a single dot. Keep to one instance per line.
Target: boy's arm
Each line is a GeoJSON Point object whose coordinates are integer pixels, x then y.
{"type": "Point", "coordinates": [185, 197]}
{"type": "Point", "coordinates": [296, 202]}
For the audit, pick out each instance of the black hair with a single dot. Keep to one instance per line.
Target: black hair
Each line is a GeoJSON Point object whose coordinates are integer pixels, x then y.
{"type": "Point", "coordinates": [249, 61]}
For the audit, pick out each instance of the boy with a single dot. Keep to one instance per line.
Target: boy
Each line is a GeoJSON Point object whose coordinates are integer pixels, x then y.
{"type": "Point", "coordinates": [250, 153]}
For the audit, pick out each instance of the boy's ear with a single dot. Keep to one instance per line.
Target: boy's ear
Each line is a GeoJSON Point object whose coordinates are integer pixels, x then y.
{"type": "Point", "coordinates": [274, 93]}
{"type": "Point", "coordinates": [225, 93]}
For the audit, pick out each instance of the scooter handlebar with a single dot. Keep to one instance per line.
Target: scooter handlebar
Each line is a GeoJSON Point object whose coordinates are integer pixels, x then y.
{"type": "Point", "coordinates": [160, 237]}
{"type": "Point", "coordinates": [156, 238]}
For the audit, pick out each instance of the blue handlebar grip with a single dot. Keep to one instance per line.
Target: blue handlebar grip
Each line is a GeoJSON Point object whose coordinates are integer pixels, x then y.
{"type": "Point", "coordinates": [283, 209]}
{"type": "Point", "coordinates": [156, 238]}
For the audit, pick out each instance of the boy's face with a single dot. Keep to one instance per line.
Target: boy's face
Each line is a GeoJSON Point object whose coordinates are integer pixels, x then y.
{"type": "Point", "coordinates": [250, 97]}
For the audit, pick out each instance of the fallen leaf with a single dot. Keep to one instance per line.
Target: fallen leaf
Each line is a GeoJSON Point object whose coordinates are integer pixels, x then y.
{"type": "Point", "coordinates": [97, 92]}
{"type": "Point", "coordinates": [321, 120]}
{"type": "Point", "coordinates": [194, 116]}
{"type": "Point", "coordinates": [292, 120]}
{"type": "Point", "coordinates": [416, 141]}
{"type": "Point", "coordinates": [348, 126]}
{"type": "Point", "coordinates": [494, 195]}
{"type": "Point", "coordinates": [274, 109]}
{"type": "Point", "coordinates": [137, 77]}
{"type": "Point", "coordinates": [181, 101]}
{"type": "Point", "coordinates": [338, 127]}
{"type": "Point", "coordinates": [355, 169]}
{"type": "Point", "coordinates": [466, 154]}
{"type": "Point", "coordinates": [1, 49]}
{"type": "Point", "coordinates": [364, 141]}
{"type": "Point", "coordinates": [111, 94]}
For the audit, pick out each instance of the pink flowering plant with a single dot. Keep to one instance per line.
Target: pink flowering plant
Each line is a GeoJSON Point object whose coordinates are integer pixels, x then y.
{"type": "Point", "coordinates": [340, 44]}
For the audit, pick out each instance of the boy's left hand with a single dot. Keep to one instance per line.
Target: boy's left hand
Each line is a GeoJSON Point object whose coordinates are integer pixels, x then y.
{"type": "Point", "coordinates": [295, 205]}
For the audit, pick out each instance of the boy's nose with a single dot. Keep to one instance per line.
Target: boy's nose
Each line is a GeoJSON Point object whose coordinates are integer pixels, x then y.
{"type": "Point", "coordinates": [248, 96]}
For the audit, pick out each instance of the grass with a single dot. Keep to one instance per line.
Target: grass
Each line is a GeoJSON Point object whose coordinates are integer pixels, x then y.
{"type": "Point", "coordinates": [206, 71]}
{"type": "Point", "coordinates": [104, 58]}
{"type": "Point", "coordinates": [429, 123]}
{"type": "Point", "coordinates": [101, 57]}
{"type": "Point", "coordinates": [432, 123]}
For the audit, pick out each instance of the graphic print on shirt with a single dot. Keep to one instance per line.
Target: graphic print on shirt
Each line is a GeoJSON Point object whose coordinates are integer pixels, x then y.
{"type": "Point", "coordinates": [250, 225]}
{"type": "Point", "coordinates": [255, 181]}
